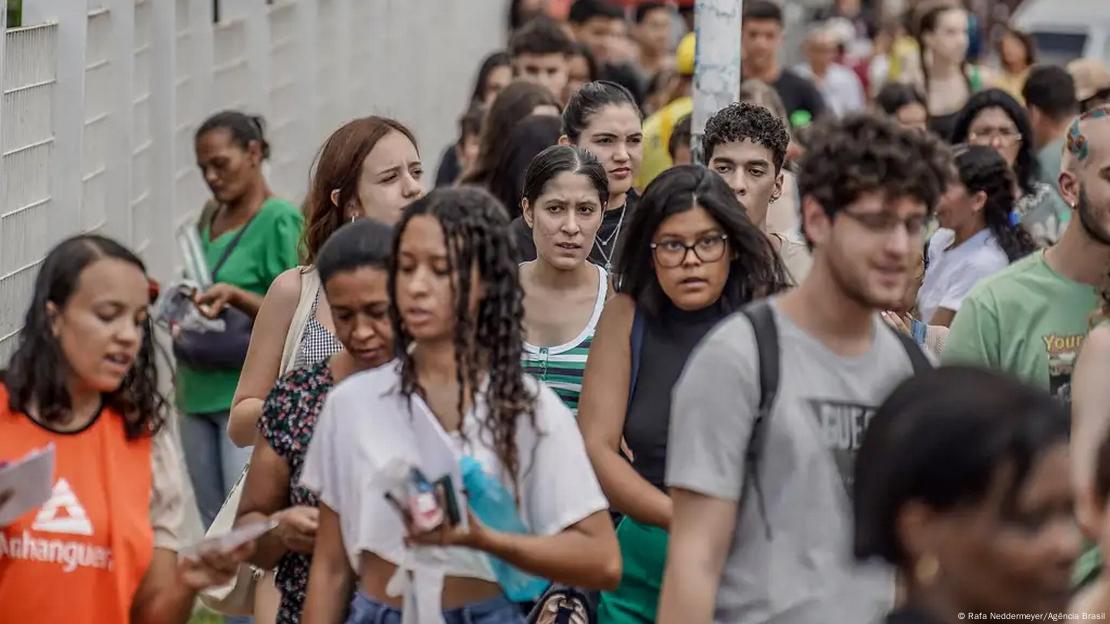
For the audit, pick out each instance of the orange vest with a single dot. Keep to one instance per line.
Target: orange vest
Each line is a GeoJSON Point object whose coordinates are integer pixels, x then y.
{"type": "Point", "coordinates": [80, 557]}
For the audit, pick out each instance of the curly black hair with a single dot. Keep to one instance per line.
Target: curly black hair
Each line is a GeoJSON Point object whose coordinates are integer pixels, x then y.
{"type": "Point", "coordinates": [980, 168]}
{"type": "Point", "coordinates": [755, 270]}
{"type": "Point", "coordinates": [1027, 167]}
{"type": "Point", "coordinates": [540, 36]}
{"type": "Point", "coordinates": [741, 121]}
{"type": "Point", "coordinates": [864, 153]}
{"type": "Point", "coordinates": [33, 377]}
{"type": "Point", "coordinates": [489, 343]}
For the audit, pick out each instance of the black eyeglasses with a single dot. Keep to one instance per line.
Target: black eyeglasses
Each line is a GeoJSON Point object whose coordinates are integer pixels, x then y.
{"type": "Point", "coordinates": [672, 253]}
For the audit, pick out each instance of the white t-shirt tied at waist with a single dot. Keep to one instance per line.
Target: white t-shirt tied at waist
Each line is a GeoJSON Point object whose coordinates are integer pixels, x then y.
{"type": "Point", "coordinates": [367, 425]}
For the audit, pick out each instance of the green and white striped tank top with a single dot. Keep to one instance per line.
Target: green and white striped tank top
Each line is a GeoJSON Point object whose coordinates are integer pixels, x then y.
{"type": "Point", "coordinates": [561, 367]}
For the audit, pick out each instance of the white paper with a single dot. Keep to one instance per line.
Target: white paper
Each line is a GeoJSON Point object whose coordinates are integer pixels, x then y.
{"type": "Point", "coordinates": [231, 540]}
{"type": "Point", "coordinates": [27, 483]}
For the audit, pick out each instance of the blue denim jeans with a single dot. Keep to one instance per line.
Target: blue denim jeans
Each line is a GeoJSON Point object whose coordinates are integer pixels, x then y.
{"type": "Point", "coordinates": [493, 611]}
{"type": "Point", "coordinates": [213, 460]}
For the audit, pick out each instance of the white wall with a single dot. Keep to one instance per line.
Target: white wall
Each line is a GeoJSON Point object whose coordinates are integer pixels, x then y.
{"type": "Point", "coordinates": [100, 101]}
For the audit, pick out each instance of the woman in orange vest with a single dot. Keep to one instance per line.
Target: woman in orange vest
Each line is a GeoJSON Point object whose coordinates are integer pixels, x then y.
{"type": "Point", "coordinates": [83, 378]}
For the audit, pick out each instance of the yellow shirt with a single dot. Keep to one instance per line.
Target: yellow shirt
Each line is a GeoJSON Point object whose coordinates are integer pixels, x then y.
{"type": "Point", "coordinates": [657, 137]}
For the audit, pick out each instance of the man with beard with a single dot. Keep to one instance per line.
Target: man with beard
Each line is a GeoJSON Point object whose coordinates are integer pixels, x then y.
{"type": "Point", "coordinates": [1031, 318]}
{"type": "Point", "coordinates": [761, 528]}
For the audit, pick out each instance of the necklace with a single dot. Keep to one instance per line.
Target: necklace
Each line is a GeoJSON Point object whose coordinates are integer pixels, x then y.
{"type": "Point", "coordinates": [602, 243]}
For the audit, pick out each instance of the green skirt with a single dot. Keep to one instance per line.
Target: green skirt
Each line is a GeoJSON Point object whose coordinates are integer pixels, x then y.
{"type": "Point", "coordinates": [643, 555]}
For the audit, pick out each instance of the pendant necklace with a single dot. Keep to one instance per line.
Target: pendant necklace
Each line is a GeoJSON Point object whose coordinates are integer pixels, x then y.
{"type": "Point", "coordinates": [613, 238]}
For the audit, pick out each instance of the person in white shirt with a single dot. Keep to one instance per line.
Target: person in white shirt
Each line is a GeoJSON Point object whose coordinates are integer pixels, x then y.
{"type": "Point", "coordinates": [978, 235]}
{"type": "Point", "coordinates": [839, 85]}
{"type": "Point", "coordinates": [457, 388]}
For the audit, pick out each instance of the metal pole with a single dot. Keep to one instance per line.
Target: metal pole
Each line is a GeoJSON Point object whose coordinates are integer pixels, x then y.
{"type": "Point", "coordinates": [717, 66]}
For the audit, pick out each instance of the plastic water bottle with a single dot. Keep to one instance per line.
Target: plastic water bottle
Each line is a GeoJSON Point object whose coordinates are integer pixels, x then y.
{"type": "Point", "coordinates": [495, 506]}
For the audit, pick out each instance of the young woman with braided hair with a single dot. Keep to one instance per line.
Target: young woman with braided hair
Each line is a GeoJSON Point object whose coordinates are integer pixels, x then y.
{"type": "Point", "coordinates": [977, 238]}
{"type": "Point", "coordinates": [456, 308]}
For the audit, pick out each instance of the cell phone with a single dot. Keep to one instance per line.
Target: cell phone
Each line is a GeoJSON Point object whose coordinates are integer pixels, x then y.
{"type": "Point", "coordinates": [422, 504]}
{"type": "Point", "coordinates": [450, 501]}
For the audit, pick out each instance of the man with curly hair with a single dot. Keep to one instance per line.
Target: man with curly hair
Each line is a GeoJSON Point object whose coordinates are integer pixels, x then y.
{"type": "Point", "coordinates": [762, 527]}
{"type": "Point", "coordinates": [746, 145]}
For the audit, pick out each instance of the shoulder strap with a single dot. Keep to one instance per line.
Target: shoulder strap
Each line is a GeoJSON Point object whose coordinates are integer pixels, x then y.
{"type": "Point", "coordinates": [917, 357]}
{"type": "Point", "coordinates": [232, 245]}
{"type": "Point", "coordinates": [636, 338]}
{"type": "Point", "coordinates": [310, 289]}
{"type": "Point", "coordinates": [207, 215]}
{"type": "Point", "coordinates": [762, 318]}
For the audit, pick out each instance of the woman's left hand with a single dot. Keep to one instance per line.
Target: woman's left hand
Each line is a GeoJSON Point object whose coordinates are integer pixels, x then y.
{"type": "Point", "coordinates": [473, 536]}
{"type": "Point", "coordinates": [212, 567]}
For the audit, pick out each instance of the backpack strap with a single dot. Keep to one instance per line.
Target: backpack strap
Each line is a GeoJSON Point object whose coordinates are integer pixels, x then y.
{"type": "Point", "coordinates": [917, 357]}
{"type": "Point", "coordinates": [636, 340]}
{"type": "Point", "coordinates": [762, 318]}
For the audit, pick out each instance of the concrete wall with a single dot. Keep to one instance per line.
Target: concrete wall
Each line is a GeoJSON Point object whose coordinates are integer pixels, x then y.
{"type": "Point", "coordinates": [101, 98]}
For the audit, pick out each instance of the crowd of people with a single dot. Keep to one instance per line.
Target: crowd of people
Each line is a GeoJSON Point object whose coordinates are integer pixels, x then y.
{"type": "Point", "coordinates": [587, 379]}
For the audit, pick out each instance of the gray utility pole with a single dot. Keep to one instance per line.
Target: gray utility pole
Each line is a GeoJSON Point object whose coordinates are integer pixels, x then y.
{"type": "Point", "coordinates": [717, 68]}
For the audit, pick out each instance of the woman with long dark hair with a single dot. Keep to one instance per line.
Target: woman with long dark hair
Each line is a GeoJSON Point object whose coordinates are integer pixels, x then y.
{"type": "Point", "coordinates": [995, 119]}
{"type": "Point", "coordinates": [519, 100]}
{"type": "Point", "coordinates": [529, 137]}
{"type": "Point", "coordinates": [977, 237]}
{"type": "Point", "coordinates": [83, 379]}
{"type": "Point", "coordinates": [494, 75]}
{"type": "Point", "coordinates": [457, 386]}
{"type": "Point", "coordinates": [962, 484]}
{"type": "Point", "coordinates": [945, 77]}
{"type": "Point", "coordinates": [603, 118]}
{"type": "Point", "coordinates": [690, 257]}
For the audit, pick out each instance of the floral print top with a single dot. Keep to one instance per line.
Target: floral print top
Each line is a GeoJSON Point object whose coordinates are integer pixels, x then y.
{"type": "Point", "coordinates": [288, 420]}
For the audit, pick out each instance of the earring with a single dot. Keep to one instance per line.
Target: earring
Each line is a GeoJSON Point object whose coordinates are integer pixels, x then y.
{"type": "Point", "coordinates": [926, 569]}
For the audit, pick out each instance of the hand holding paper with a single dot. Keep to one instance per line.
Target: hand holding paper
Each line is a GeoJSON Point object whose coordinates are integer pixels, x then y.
{"type": "Point", "coordinates": [25, 484]}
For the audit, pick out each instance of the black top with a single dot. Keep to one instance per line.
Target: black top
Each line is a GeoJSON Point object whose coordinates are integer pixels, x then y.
{"type": "Point", "coordinates": [605, 246]}
{"type": "Point", "coordinates": [943, 125]}
{"type": "Point", "coordinates": [799, 94]}
{"type": "Point", "coordinates": [449, 168]}
{"type": "Point", "coordinates": [668, 341]}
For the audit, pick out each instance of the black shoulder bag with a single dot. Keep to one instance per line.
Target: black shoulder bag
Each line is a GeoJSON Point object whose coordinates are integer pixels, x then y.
{"type": "Point", "coordinates": [218, 350]}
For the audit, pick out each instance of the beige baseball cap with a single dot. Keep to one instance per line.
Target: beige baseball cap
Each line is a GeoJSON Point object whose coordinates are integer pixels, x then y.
{"type": "Point", "coordinates": [1090, 75]}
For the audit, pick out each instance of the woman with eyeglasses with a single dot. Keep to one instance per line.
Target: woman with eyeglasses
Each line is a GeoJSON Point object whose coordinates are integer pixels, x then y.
{"type": "Point", "coordinates": [995, 119]}
{"type": "Point", "coordinates": [690, 257]}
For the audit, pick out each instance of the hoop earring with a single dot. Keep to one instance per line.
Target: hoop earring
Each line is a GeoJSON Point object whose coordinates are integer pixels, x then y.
{"type": "Point", "coordinates": [926, 569]}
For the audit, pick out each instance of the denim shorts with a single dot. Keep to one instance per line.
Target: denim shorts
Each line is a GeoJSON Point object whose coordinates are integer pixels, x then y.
{"type": "Point", "coordinates": [365, 610]}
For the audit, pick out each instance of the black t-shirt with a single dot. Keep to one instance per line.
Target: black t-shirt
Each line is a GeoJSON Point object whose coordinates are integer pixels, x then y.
{"type": "Point", "coordinates": [449, 169]}
{"type": "Point", "coordinates": [799, 94]}
{"type": "Point", "coordinates": [605, 246]}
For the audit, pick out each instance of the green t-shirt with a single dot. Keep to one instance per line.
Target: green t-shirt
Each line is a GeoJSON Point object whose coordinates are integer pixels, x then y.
{"type": "Point", "coordinates": [1027, 320]}
{"type": "Point", "coordinates": [268, 248]}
